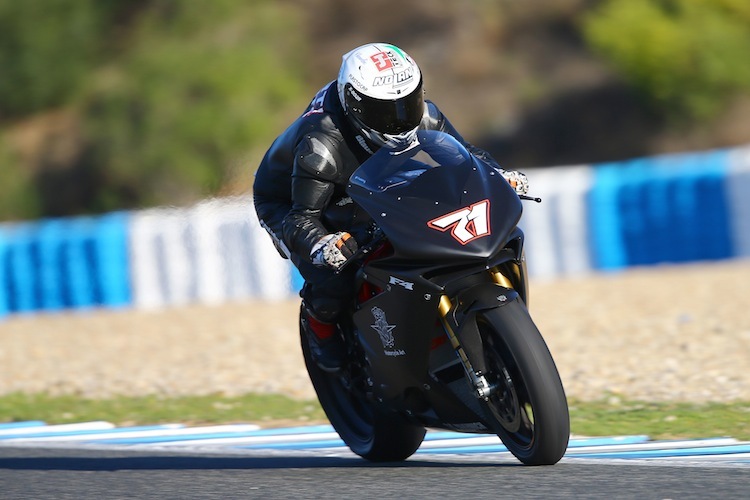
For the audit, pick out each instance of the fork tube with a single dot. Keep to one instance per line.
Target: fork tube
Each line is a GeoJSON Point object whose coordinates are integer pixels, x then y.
{"type": "Point", "coordinates": [478, 381]}
{"type": "Point", "coordinates": [500, 278]}
{"type": "Point", "coordinates": [445, 307]}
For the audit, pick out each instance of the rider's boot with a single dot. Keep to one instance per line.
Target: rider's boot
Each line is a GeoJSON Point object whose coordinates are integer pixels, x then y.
{"type": "Point", "coordinates": [326, 345]}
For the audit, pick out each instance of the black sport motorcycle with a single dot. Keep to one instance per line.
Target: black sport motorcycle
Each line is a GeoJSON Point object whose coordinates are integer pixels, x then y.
{"type": "Point", "coordinates": [439, 334]}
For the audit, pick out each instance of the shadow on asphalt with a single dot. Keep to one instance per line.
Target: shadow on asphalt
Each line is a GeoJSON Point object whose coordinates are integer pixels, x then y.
{"type": "Point", "coordinates": [98, 462]}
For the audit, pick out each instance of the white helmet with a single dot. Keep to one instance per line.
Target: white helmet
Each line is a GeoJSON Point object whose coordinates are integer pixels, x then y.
{"type": "Point", "coordinates": [380, 88]}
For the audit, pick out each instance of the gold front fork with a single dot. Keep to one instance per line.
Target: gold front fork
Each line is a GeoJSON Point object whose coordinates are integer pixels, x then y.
{"type": "Point", "coordinates": [500, 278]}
{"type": "Point", "coordinates": [519, 278]}
{"type": "Point", "coordinates": [445, 307]}
{"type": "Point", "coordinates": [477, 379]}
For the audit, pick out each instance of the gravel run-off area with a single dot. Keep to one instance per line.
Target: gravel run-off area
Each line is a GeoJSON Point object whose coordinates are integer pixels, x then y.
{"type": "Point", "coordinates": [669, 333]}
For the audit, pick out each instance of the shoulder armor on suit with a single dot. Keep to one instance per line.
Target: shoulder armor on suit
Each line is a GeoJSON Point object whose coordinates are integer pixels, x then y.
{"type": "Point", "coordinates": [315, 156]}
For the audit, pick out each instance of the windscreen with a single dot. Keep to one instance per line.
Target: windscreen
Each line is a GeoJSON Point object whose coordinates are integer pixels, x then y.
{"type": "Point", "coordinates": [389, 168]}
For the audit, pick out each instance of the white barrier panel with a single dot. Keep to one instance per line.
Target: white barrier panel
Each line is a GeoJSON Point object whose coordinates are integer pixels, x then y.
{"type": "Point", "coordinates": [147, 286]}
{"type": "Point", "coordinates": [738, 194]}
{"type": "Point", "coordinates": [210, 266]}
{"type": "Point", "coordinates": [244, 244]}
{"type": "Point", "coordinates": [556, 230]}
{"type": "Point", "coordinates": [210, 253]}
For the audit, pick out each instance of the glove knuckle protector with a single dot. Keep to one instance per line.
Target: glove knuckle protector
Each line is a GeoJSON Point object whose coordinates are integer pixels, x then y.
{"type": "Point", "coordinates": [332, 250]}
{"type": "Point", "coordinates": [518, 181]}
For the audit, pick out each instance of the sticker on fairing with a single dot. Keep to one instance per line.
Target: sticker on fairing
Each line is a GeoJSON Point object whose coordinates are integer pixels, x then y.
{"type": "Point", "coordinates": [466, 224]}
{"type": "Point", "coordinates": [385, 331]}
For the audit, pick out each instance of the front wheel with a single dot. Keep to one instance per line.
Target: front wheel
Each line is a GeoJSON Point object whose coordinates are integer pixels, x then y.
{"type": "Point", "coordinates": [528, 408]}
{"type": "Point", "coordinates": [370, 432]}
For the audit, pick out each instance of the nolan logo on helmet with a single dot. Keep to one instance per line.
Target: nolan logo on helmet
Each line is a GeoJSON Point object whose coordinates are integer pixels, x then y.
{"type": "Point", "coordinates": [396, 80]}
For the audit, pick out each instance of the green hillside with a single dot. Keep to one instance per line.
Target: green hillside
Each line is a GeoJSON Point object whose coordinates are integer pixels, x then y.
{"type": "Point", "coordinates": [121, 104]}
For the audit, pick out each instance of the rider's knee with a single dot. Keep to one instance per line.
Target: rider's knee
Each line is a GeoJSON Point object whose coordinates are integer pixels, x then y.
{"type": "Point", "coordinates": [325, 309]}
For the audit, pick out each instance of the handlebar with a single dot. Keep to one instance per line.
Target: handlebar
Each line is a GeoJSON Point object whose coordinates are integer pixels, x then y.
{"type": "Point", "coordinates": [377, 238]}
{"type": "Point", "coordinates": [530, 198]}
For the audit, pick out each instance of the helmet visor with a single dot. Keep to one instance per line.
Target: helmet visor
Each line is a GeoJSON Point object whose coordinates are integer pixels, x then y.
{"type": "Point", "coordinates": [393, 116]}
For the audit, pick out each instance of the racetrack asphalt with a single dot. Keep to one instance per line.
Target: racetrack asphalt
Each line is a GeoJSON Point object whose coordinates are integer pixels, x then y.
{"type": "Point", "coordinates": [99, 460]}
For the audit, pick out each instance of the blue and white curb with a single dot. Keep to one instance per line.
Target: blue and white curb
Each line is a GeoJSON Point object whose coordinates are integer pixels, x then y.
{"type": "Point", "coordinates": [247, 438]}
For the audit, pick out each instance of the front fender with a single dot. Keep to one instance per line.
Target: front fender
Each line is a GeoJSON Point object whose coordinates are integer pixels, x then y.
{"type": "Point", "coordinates": [463, 315]}
{"type": "Point", "coordinates": [483, 296]}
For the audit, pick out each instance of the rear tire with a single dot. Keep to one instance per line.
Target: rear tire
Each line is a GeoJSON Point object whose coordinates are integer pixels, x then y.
{"type": "Point", "coordinates": [529, 410]}
{"type": "Point", "coordinates": [371, 433]}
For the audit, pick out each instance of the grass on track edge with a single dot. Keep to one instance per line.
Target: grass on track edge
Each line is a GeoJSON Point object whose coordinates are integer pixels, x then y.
{"type": "Point", "coordinates": [607, 417]}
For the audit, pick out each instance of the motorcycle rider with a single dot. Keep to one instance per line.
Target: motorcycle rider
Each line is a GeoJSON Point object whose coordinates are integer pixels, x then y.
{"type": "Point", "coordinates": [299, 188]}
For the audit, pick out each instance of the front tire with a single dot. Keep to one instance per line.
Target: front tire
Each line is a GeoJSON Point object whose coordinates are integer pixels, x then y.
{"type": "Point", "coordinates": [528, 409]}
{"type": "Point", "coordinates": [368, 431]}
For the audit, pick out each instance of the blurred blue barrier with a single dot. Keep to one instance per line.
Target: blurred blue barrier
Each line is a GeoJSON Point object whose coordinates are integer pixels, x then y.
{"type": "Point", "coordinates": [20, 265]}
{"type": "Point", "coordinates": [49, 241]}
{"type": "Point", "coordinates": [4, 292]}
{"type": "Point", "coordinates": [77, 264]}
{"type": "Point", "coordinates": [667, 209]}
{"type": "Point", "coordinates": [56, 264]}
{"type": "Point", "coordinates": [111, 254]}
{"type": "Point", "coordinates": [297, 280]}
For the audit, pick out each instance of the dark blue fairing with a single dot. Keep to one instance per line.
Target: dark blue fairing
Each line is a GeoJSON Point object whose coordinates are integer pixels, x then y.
{"type": "Point", "coordinates": [436, 201]}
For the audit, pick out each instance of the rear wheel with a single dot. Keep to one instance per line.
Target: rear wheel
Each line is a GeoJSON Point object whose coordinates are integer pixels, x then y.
{"type": "Point", "coordinates": [369, 432]}
{"type": "Point", "coordinates": [528, 405]}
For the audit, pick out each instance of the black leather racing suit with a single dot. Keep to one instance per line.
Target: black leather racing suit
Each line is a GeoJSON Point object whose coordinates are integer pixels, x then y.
{"type": "Point", "coordinates": [299, 190]}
